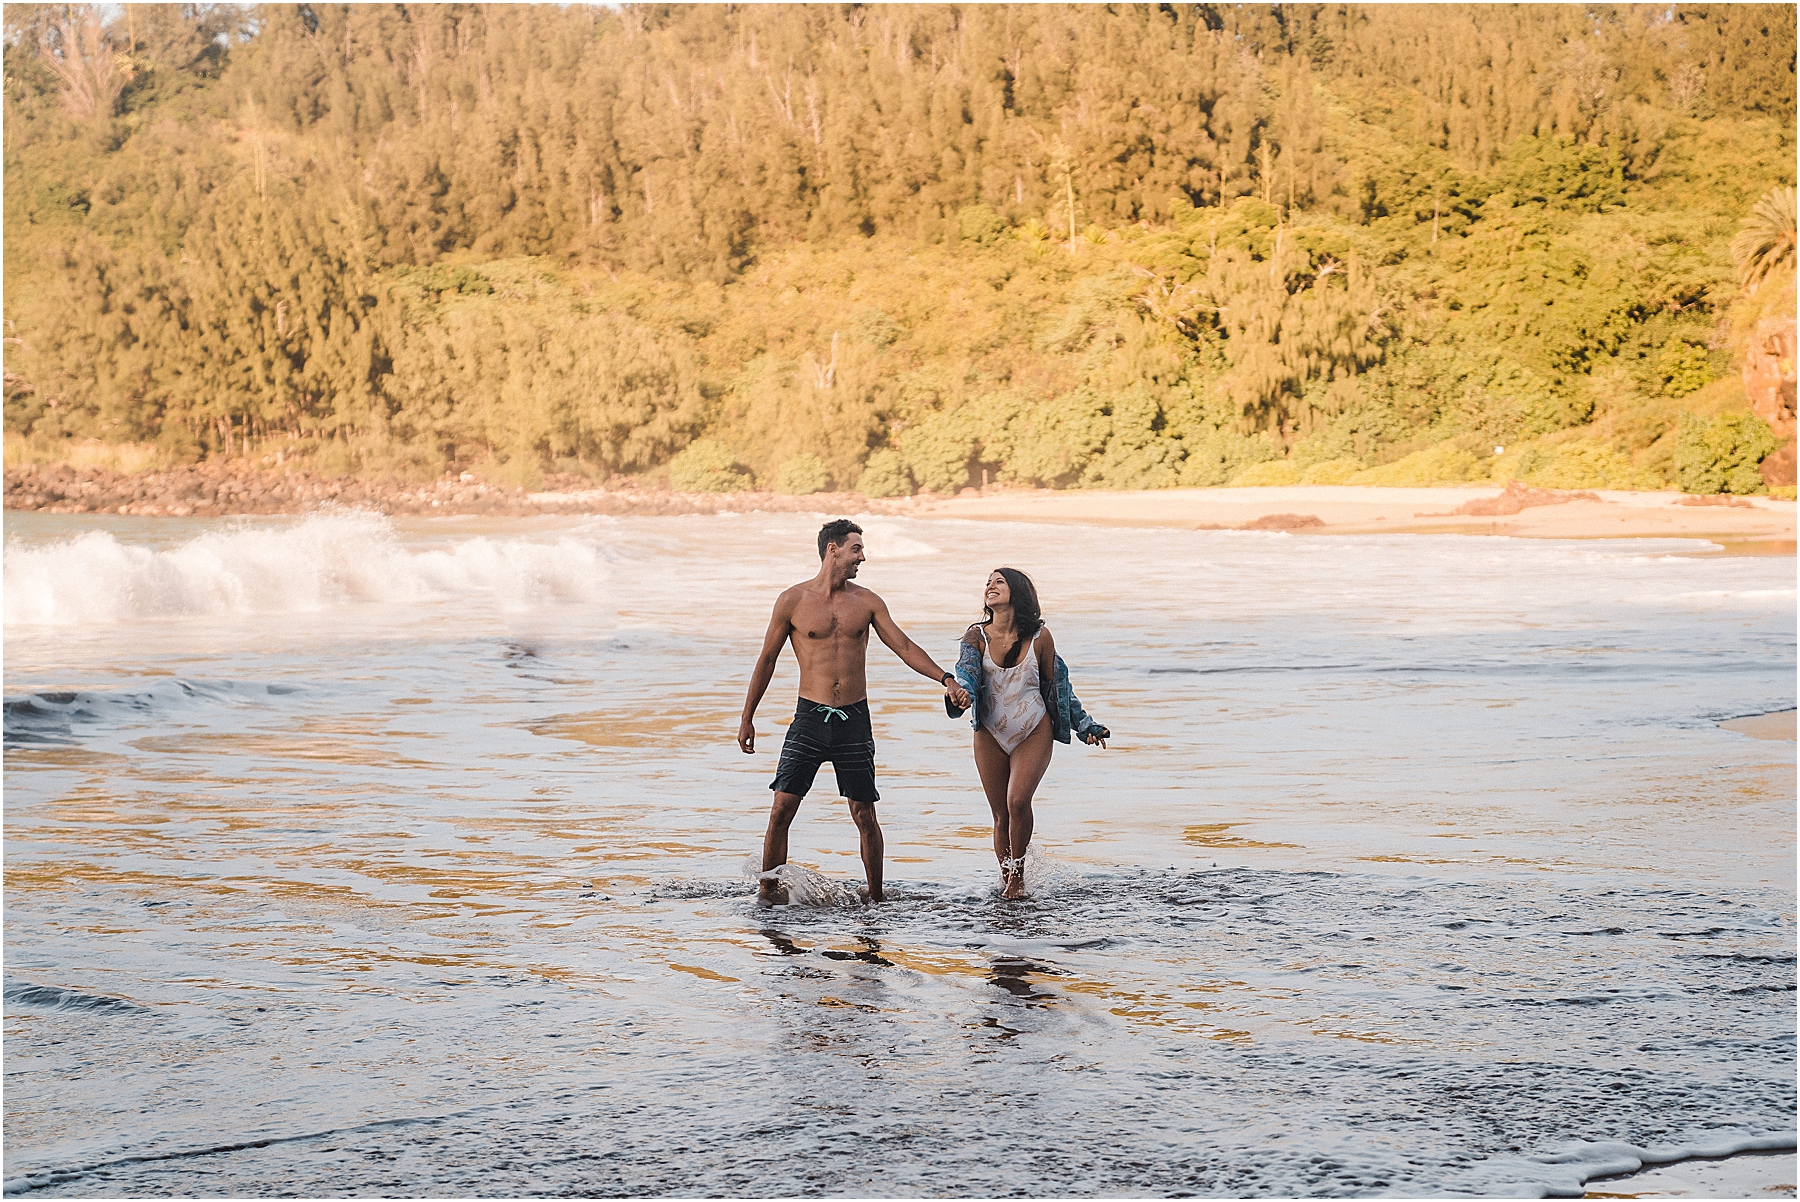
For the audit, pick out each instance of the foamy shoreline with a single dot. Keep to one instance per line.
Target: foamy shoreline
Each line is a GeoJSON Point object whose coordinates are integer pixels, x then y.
{"type": "Point", "coordinates": [1760, 523]}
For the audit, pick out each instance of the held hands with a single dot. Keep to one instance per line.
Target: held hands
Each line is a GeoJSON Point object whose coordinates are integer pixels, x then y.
{"type": "Point", "coordinates": [957, 695]}
{"type": "Point", "coordinates": [747, 736]}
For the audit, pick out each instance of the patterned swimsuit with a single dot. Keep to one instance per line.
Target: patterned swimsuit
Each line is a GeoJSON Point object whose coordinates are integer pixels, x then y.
{"type": "Point", "coordinates": [1015, 703]}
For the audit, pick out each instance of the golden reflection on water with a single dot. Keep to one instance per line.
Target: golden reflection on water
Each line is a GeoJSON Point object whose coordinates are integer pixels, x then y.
{"type": "Point", "coordinates": [274, 747]}
{"type": "Point", "coordinates": [40, 756]}
{"type": "Point", "coordinates": [628, 727]}
{"type": "Point", "coordinates": [1213, 835]}
{"type": "Point", "coordinates": [936, 962]}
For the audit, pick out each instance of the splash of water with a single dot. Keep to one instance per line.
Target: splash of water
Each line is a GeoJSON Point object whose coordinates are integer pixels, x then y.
{"type": "Point", "coordinates": [328, 561]}
{"type": "Point", "coordinates": [803, 886]}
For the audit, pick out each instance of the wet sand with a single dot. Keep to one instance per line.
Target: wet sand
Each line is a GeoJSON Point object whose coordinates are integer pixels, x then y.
{"type": "Point", "coordinates": [1752, 1175]}
{"type": "Point", "coordinates": [1748, 524]}
{"type": "Point", "coordinates": [1776, 726]}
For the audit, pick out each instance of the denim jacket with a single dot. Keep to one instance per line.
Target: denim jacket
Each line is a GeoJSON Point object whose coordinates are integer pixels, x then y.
{"type": "Point", "coordinates": [1064, 708]}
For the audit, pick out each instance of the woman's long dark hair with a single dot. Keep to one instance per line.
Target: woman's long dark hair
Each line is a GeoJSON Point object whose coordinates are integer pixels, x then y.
{"type": "Point", "coordinates": [1027, 618]}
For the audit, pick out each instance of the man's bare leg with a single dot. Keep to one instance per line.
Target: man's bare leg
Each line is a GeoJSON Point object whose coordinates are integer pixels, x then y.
{"type": "Point", "coordinates": [775, 843]}
{"type": "Point", "coordinates": [863, 814]}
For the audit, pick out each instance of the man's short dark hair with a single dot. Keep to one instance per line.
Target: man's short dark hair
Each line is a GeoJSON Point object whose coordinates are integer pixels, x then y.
{"type": "Point", "coordinates": [833, 534]}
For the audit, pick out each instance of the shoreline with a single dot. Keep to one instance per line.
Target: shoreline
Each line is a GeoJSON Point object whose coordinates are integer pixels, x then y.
{"type": "Point", "coordinates": [1776, 725]}
{"type": "Point", "coordinates": [1749, 525]}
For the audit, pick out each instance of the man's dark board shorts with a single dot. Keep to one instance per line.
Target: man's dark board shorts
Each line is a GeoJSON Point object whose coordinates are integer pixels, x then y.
{"type": "Point", "coordinates": [839, 733]}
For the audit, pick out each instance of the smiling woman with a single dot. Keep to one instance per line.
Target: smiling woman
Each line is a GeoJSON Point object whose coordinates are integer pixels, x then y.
{"type": "Point", "coordinates": [1023, 705]}
{"type": "Point", "coordinates": [1405, 833]}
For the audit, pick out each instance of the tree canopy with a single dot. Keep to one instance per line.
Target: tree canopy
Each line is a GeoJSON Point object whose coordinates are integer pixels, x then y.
{"type": "Point", "coordinates": [1123, 245]}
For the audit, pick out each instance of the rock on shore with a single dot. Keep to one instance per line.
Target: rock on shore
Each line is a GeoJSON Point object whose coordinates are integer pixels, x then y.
{"type": "Point", "coordinates": [223, 489]}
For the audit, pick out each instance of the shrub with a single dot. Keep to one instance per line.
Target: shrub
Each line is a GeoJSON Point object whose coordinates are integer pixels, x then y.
{"type": "Point", "coordinates": [1274, 473]}
{"type": "Point", "coordinates": [980, 224]}
{"type": "Point", "coordinates": [126, 458]}
{"type": "Point", "coordinates": [1323, 446]}
{"type": "Point", "coordinates": [1138, 454]}
{"type": "Point", "coordinates": [885, 475]}
{"type": "Point", "coordinates": [522, 471]}
{"type": "Point", "coordinates": [1722, 455]}
{"type": "Point", "coordinates": [801, 475]}
{"type": "Point", "coordinates": [1220, 456]}
{"type": "Point", "coordinates": [1336, 471]}
{"type": "Point", "coordinates": [1052, 442]}
{"type": "Point", "coordinates": [1446, 463]}
{"type": "Point", "coordinates": [1579, 465]}
{"type": "Point", "coordinates": [1683, 368]}
{"type": "Point", "coordinates": [939, 449]}
{"type": "Point", "coordinates": [707, 466]}
{"type": "Point", "coordinates": [1035, 235]}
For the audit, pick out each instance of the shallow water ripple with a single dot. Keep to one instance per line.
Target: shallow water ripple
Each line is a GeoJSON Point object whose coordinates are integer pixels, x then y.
{"type": "Point", "coordinates": [1414, 862]}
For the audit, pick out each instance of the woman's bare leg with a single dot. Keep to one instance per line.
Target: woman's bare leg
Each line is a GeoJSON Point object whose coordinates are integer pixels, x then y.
{"type": "Point", "coordinates": [1029, 761]}
{"type": "Point", "coordinates": [995, 769]}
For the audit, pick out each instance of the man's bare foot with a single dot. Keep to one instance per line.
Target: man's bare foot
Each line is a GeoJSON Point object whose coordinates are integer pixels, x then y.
{"type": "Point", "coordinates": [862, 891]}
{"type": "Point", "coordinates": [772, 891]}
{"type": "Point", "coordinates": [1014, 887]}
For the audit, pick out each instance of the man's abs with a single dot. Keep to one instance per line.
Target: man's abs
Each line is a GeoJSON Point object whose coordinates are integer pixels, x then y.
{"type": "Point", "coordinates": [831, 641]}
{"type": "Point", "coordinates": [832, 674]}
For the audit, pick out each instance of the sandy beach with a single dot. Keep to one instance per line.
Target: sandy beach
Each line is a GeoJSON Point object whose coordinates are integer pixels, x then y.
{"type": "Point", "coordinates": [1744, 523]}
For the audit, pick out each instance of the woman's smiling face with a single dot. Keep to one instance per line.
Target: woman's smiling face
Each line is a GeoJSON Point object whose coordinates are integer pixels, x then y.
{"type": "Point", "coordinates": [998, 591]}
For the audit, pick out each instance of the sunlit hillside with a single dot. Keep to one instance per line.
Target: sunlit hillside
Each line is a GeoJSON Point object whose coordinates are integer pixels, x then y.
{"type": "Point", "coordinates": [899, 249]}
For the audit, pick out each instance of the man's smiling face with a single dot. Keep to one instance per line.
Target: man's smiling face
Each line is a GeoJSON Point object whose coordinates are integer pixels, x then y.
{"type": "Point", "coordinates": [848, 556]}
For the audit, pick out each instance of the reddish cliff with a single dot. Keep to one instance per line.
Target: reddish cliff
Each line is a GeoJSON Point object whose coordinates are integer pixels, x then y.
{"type": "Point", "coordinates": [1769, 381]}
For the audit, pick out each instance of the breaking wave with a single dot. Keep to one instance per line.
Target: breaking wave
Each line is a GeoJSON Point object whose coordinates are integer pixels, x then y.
{"type": "Point", "coordinates": [326, 562]}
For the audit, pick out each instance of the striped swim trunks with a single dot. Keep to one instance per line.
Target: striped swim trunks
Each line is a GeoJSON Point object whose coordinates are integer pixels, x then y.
{"type": "Point", "coordinates": [839, 733]}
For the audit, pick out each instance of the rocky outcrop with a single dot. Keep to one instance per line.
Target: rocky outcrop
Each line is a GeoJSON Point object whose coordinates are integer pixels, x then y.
{"type": "Point", "coordinates": [234, 487]}
{"type": "Point", "coordinates": [1514, 498]}
{"type": "Point", "coordinates": [1769, 382]}
{"type": "Point", "coordinates": [1284, 521]}
{"type": "Point", "coordinates": [214, 490]}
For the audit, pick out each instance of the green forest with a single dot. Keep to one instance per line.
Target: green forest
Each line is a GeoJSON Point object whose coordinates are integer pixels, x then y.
{"type": "Point", "coordinates": [901, 249]}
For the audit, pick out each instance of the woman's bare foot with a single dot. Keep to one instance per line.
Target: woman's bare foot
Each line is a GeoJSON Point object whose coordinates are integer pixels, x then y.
{"type": "Point", "coordinates": [1012, 880]}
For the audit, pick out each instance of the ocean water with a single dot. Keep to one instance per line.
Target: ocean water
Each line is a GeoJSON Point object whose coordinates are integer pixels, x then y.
{"type": "Point", "coordinates": [348, 856]}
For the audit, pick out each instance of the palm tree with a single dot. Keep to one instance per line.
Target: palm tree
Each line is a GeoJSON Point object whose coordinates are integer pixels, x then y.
{"type": "Point", "coordinates": [1765, 244]}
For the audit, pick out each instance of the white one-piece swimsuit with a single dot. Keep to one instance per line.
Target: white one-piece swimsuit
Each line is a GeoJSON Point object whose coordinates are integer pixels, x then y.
{"type": "Point", "coordinates": [1015, 706]}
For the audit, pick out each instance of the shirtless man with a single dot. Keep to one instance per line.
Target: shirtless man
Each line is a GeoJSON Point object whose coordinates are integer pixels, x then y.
{"type": "Point", "coordinates": [827, 619]}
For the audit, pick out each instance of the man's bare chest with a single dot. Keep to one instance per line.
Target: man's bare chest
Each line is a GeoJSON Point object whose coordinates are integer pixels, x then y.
{"type": "Point", "coordinates": [821, 623]}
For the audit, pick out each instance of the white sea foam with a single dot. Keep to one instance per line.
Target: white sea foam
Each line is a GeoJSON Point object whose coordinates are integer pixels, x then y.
{"type": "Point", "coordinates": [325, 562]}
{"type": "Point", "coordinates": [885, 542]}
{"type": "Point", "coordinates": [1578, 1163]}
